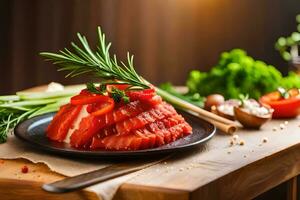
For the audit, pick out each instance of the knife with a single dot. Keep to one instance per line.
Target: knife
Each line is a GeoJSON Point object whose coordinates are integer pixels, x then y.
{"type": "Point", "coordinates": [87, 179]}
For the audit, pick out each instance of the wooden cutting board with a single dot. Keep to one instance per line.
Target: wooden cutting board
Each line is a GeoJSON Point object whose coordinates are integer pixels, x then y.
{"type": "Point", "coordinates": [215, 171]}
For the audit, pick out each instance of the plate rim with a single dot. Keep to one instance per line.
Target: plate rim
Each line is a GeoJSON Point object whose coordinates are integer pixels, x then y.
{"type": "Point", "coordinates": [19, 133]}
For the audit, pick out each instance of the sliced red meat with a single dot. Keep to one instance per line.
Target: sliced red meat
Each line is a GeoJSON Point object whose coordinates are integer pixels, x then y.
{"type": "Point", "coordinates": [171, 128]}
{"type": "Point", "coordinates": [145, 140]}
{"type": "Point", "coordinates": [154, 134]}
{"type": "Point", "coordinates": [82, 136]}
{"type": "Point", "coordinates": [129, 110]}
{"type": "Point", "coordinates": [152, 138]}
{"type": "Point", "coordinates": [135, 142]}
{"type": "Point", "coordinates": [153, 127]}
{"type": "Point", "coordinates": [172, 121]}
{"type": "Point", "coordinates": [62, 122]}
{"type": "Point", "coordinates": [166, 133]}
{"type": "Point", "coordinates": [141, 124]}
{"type": "Point", "coordinates": [108, 131]}
{"type": "Point", "coordinates": [88, 127]}
{"type": "Point", "coordinates": [118, 142]}
{"type": "Point", "coordinates": [160, 111]}
{"type": "Point", "coordinates": [176, 132]}
{"type": "Point", "coordinates": [186, 129]}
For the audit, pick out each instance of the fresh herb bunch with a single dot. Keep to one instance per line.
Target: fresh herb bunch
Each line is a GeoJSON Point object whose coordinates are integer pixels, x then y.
{"type": "Point", "coordinates": [288, 46]}
{"type": "Point", "coordinates": [98, 63]}
{"type": "Point", "coordinates": [25, 105]}
{"type": "Point", "coordinates": [10, 117]}
{"type": "Point", "coordinates": [237, 73]}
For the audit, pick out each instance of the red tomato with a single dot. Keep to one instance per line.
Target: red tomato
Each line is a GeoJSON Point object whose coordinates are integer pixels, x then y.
{"type": "Point", "coordinates": [88, 98]}
{"type": "Point", "coordinates": [105, 107]}
{"type": "Point", "coordinates": [283, 108]}
{"type": "Point", "coordinates": [141, 94]}
{"type": "Point", "coordinates": [117, 86]}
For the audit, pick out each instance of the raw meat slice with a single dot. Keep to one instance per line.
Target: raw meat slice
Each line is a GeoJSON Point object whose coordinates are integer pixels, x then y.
{"type": "Point", "coordinates": [93, 125]}
{"type": "Point", "coordinates": [117, 142]}
{"type": "Point", "coordinates": [127, 111]}
{"type": "Point", "coordinates": [144, 118]}
{"type": "Point", "coordinates": [88, 127]}
{"type": "Point", "coordinates": [154, 134]}
{"type": "Point", "coordinates": [62, 122]}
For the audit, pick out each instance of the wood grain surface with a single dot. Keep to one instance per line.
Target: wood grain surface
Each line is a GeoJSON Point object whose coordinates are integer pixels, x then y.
{"type": "Point", "coordinates": [217, 170]}
{"type": "Point", "coordinates": [16, 185]}
{"type": "Point", "coordinates": [292, 189]}
{"type": "Point", "coordinates": [236, 172]}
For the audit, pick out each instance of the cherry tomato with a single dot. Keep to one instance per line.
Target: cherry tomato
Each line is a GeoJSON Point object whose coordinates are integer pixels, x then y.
{"type": "Point", "coordinates": [86, 98]}
{"type": "Point", "coordinates": [103, 108]}
{"type": "Point", "coordinates": [283, 108]}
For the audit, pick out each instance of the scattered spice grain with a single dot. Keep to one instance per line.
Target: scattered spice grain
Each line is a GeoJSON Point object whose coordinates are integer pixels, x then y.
{"type": "Point", "coordinates": [242, 142]}
{"type": "Point", "coordinates": [24, 169]}
{"type": "Point", "coordinates": [235, 137]}
{"type": "Point", "coordinates": [265, 140]}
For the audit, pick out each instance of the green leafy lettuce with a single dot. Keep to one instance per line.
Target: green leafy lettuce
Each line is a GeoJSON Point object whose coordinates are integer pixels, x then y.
{"type": "Point", "coordinates": [237, 73]}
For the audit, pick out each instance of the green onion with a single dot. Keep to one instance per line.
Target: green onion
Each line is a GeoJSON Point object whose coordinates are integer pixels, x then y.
{"type": "Point", "coordinates": [69, 91]}
{"type": "Point", "coordinates": [25, 105]}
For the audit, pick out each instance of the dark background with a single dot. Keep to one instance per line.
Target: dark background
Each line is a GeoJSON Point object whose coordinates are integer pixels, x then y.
{"type": "Point", "coordinates": [167, 37]}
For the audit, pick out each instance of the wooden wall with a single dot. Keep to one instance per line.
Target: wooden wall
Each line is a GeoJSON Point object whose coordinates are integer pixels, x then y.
{"type": "Point", "coordinates": [168, 37]}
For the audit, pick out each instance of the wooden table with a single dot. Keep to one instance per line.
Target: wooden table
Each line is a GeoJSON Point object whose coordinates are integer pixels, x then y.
{"type": "Point", "coordinates": [215, 171]}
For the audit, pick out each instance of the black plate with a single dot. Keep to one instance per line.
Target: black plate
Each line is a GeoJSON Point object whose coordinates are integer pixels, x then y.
{"type": "Point", "coordinates": [32, 131]}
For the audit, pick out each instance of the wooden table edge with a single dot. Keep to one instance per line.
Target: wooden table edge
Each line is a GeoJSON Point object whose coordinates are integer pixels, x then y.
{"type": "Point", "coordinates": [287, 168]}
{"type": "Point", "coordinates": [258, 177]}
{"type": "Point", "coordinates": [135, 191]}
{"type": "Point", "coordinates": [285, 163]}
{"type": "Point", "coordinates": [24, 186]}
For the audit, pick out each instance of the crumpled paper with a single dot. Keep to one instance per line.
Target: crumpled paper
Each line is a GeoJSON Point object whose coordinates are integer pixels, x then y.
{"type": "Point", "coordinates": [14, 149]}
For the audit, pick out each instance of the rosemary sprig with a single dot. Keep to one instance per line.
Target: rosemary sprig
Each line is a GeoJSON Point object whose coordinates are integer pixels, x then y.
{"type": "Point", "coordinates": [83, 60]}
{"type": "Point", "coordinates": [9, 118]}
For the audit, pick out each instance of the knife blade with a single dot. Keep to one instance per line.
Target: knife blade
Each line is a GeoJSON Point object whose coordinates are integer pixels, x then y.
{"type": "Point", "coordinates": [87, 179]}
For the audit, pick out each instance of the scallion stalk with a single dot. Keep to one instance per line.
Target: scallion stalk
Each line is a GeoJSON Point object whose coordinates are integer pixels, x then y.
{"type": "Point", "coordinates": [25, 105]}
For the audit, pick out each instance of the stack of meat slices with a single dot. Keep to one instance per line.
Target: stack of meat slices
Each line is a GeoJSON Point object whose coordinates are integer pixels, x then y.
{"type": "Point", "coordinates": [140, 124]}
